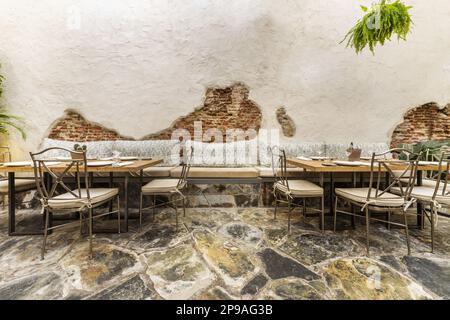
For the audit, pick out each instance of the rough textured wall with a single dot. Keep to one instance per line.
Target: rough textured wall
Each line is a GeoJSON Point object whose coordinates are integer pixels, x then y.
{"type": "Point", "coordinates": [426, 122]}
{"type": "Point", "coordinates": [74, 127]}
{"type": "Point", "coordinates": [223, 109]}
{"type": "Point", "coordinates": [136, 66]}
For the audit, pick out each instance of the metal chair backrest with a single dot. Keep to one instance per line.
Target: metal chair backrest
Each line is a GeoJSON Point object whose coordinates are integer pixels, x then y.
{"type": "Point", "coordinates": [186, 167]}
{"type": "Point", "coordinates": [442, 176]}
{"type": "Point", "coordinates": [398, 171]}
{"type": "Point", "coordinates": [77, 165]}
{"type": "Point", "coordinates": [279, 166]}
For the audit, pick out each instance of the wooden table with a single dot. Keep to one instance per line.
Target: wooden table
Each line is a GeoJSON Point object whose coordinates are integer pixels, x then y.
{"type": "Point", "coordinates": [136, 167]}
{"type": "Point", "coordinates": [319, 167]}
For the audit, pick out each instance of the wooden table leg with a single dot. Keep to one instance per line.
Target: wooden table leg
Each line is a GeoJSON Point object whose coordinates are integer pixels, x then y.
{"type": "Point", "coordinates": [126, 202]}
{"type": "Point", "coordinates": [331, 194]}
{"type": "Point", "coordinates": [11, 203]}
{"type": "Point", "coordinates": [352, 206]}
{"type": "Point", "coordinates": [12, 210]}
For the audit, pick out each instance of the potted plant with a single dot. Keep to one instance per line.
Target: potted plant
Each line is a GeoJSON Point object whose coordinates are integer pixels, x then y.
{"type": "Point", "coordinates": [78, 148]}
{"type": "Point", "coordinates": [7, 120]}
{"type": "Point", "coordinates": [379, 23]}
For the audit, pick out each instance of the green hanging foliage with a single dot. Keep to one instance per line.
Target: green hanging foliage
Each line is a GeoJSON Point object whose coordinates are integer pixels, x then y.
{"type": "Point", "coordinates": [380, 22]}
{"type": "Point", "coordinates": [7, 120]}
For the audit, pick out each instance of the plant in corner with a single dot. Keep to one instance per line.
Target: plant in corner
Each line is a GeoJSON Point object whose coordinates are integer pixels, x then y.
{"type": "Point", "coordinates": [7, 120]}
{"type": "Point", "coordinates": [379, 23]}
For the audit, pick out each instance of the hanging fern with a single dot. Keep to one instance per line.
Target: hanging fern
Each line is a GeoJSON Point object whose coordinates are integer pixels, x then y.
{"type": "Point", "coordinates": [378, 25]}
{"type": "Point", "coordinates": [7, 120]}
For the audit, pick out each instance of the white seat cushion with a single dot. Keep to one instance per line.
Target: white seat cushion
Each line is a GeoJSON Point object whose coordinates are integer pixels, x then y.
{"type": "Point", "coordinates": [301, 188]}
{"type": "Point", "coordinates": [68, 200]}
{"type": "Point", "coordinates": [359, 195]}
{"type": "Point", "coordinates": [21, 185]}
{"type": "Point", "coordinates": [158, 172]}
{"type": "Point", "coordinates": [424, 193]}
{"type": "Point", "coordinates": [161, 186]}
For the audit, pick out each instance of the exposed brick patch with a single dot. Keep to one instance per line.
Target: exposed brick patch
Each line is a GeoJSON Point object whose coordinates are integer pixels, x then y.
{"type": "Point", "coordinates": [426, 122]}
{"type": "Point", "coordinates": [73, 127]}
{"type": "Point", "coordinates": [223, 108]}
{"type": "Point", "coordinates": [286, 122]}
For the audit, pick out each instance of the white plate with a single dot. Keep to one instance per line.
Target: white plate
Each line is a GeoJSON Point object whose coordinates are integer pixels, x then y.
{"type": "Point", "coordinates": [99, 163]}
{"type": "Point", "coordinates": [429, 163]}
{"type": "Point", "coordinates": [121, 158]}
{"type": "Point", "coordinates": [350, 163]}
{"type": "Point", "coordinates": [304, 158]}
{"type": "Point", "coordinates": [18, 164]}
{"type": "Point", "coordinates": [320, 158]}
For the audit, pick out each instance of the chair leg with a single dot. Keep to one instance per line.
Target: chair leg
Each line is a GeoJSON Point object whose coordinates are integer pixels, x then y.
{"type": "Point", "coordinates": [289, 215]}
{"type": "Point", "coordinates": [367, 231]}
{"type": "Point", "coordinates": [389, 220]}
{"type": "Point", "coordinates": [276, 207]}
{"type": "Point", "coordinates": [90, 233]}
{"type": "Point", "coordinates": [118, 213]}
{"type": "Point", "coordinates": [304, 207]}
{"type": "Point", "coordinates": [81, 222]}
{"type": "Point", "coordinates": [154, 208]}
{"type": "Point", "coordinates": [140, 211]}
{"type": "Point", "coordinates": [335, 213]}
{"type": "Point", "coordinates": [176, 213]}
{"type": "Point", "coordinates": [45, 234]}
{"type": "Point", "coordinates": [432, 226]}
{"type": "Point", "coordinates": [405, 218]}
{"type": "Point", "coordinates": [184, 207]}
{"type": "Point", "coordinates": [323, 214]}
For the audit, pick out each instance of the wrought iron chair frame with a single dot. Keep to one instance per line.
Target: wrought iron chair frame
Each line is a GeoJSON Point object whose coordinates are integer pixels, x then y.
{"type": "Point", "coordinates": [441, 177]}
{"type": "Point", "coordinates": [79, 164]}
{"type": "Point", "coordinates": [367, 207]}
{"type": "Point", "coordinates": [182, 183]}
{"type": "Point", "coordinates": [280, 174]}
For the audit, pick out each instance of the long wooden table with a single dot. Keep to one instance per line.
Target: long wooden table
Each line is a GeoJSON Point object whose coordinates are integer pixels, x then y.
{"type": "Point", "coordinates": [319, 167]}
{"type": "Point", "coordinates": [136, 167]}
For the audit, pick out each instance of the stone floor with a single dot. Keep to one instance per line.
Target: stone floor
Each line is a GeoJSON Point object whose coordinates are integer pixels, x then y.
{"type": "Point", "coordinates": [225, 252]}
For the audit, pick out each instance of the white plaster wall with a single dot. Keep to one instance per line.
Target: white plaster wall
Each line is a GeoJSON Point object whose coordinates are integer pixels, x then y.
{"type": "Point", "coordinates": [137, 65]}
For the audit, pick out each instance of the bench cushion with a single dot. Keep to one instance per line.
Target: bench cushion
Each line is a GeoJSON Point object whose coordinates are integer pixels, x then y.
{"type": "Point", "coordinates": [225, 173]}
{"type": "Point", "coordinates": [265, 172]}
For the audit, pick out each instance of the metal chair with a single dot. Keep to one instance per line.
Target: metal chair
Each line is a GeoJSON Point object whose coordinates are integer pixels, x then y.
{"type": "Point", "coordinates": [434, 195]}
{"type": "Point", "coordinates": [170, 188]}
{"type": "Point", "coordinates": [81, 200]}
{"type": "Point", "coordinates": [374, 198]}
{"type": "Point", "coordinates": [22, 184]}
{"type": "Point", "coordinates": [294, 189]}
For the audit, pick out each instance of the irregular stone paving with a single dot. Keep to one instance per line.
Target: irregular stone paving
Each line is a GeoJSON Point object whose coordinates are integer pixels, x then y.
{"type": "Point", "coordinates": [225, 253]}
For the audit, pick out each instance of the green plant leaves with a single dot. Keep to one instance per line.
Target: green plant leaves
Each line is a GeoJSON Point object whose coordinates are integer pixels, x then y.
{"type": "Point", "coordinates": [379, 24]}
{"type": "Point", "coordinates": [7, 120]}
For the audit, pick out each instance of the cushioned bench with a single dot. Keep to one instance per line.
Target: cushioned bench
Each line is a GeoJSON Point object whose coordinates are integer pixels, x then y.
{"type": "Point", "coordinates": [216, 173]}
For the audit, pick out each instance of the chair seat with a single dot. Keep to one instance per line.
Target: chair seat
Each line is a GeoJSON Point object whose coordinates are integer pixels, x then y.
{"type": "Point", "coordinates": [161, 186]}
{"type": "Point", "coordinates": [425, 182]}
{"type": "Point", "coordinates": [69, 201]}
{"type": "Point", "coordinates": [359, 195]}
{"type": "Point", "coordinates": [157, 172]}
{"type": "Point", "coordinates": [301, 188]}
{"type": "Point", "coordinates": [424, 193]}
{"type": "Point", "coordinates": [20, 184]}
